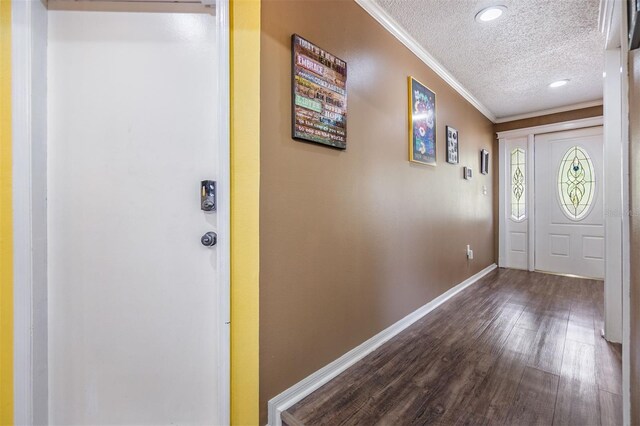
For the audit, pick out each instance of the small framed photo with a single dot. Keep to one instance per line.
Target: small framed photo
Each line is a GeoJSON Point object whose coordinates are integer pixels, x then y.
{"type": "Point", "coordinates": [484, 161]}
{"type": "Point", "coordinates": [633, 14]}
{"type": "Point", "coordinates": [422, 123]}
{"type": "Point", "coordinates": [452, 145]}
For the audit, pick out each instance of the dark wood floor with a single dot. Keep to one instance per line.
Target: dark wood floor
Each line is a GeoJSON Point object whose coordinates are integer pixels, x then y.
{"type": "Point", "coordinates": [517, 348]}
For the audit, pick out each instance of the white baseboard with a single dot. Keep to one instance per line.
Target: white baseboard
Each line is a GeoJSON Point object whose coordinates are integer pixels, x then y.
{"type": "Point", "coordinates": [297, 392]}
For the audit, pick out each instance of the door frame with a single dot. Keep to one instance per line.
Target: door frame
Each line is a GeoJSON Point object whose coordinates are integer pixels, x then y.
{"type": "Point", "coordinates": [224, 210]}
{"type": "Point", "coordinates": [29, 122]}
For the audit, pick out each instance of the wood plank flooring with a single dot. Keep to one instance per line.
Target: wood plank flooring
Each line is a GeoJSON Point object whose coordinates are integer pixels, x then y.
{"type": "Point", "coordinates": [516, 348]}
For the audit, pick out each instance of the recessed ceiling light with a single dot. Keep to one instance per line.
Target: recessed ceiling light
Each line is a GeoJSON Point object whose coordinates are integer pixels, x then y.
{"type": "Point", "coordinates": [490, 13]}
{"type": "Point", "coordinates": [559, 83]}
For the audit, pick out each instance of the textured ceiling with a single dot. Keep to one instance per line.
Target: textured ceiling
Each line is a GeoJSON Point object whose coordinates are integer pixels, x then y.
{"type": "Point", "coordinates": [507, 64]}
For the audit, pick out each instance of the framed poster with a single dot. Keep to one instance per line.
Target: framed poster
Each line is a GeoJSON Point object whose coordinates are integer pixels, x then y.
{"type": "Point", "coordinates": [633, 17]}
{"type": "Point", "coordinates": [422, 123]}
{"type": "Point", "coordinates": [452, 145]}
{"type": "Point", "coordinates": [484, 161]}
{"type": "Point", "coordinates": [318, 95]}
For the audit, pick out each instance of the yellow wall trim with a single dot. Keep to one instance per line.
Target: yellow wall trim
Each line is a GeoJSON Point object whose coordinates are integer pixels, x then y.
{"type": "Point", "coordinates": [6, 220]}
{"type": "Point", "coordinates": [244, 55]}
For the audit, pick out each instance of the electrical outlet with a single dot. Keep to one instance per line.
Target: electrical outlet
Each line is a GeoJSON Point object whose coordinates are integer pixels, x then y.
{"type": "Point", "coordinates": [469, 252]}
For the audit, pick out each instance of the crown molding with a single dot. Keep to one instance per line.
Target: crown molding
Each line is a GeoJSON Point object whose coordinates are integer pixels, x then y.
{"type": "Point", "coordinates": [565, 108]}
{"type": "Point", "coordinates": [380, 15]}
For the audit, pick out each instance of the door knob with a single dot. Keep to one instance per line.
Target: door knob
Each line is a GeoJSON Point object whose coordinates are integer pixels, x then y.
{"type": "Point", "coordinates": [209, 239]}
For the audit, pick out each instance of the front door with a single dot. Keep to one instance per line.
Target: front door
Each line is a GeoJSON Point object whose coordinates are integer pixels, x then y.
{"type": "Point", "coordinates": [135, 326]}
{"type": "Point", "coordinates": [569, 214]}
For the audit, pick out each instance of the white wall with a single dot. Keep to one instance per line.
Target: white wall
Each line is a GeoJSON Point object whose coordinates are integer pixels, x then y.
{"type": "Point", "coordinates": [613, 24]}
{"type": "Point", "coordinates": [614, 208]}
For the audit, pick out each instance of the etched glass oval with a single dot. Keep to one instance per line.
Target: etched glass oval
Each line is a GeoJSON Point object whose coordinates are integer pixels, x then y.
{"type": "Point", "coordinates": [576, 183]}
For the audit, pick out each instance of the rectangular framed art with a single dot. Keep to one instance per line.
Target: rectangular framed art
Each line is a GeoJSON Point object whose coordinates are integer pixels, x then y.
{"type": "Point", "coordinates": [484, 161]}
{"type": "Point", "coordinates": [318, 95]}
{"type": "Point", "coordinates": [633, 18]}
{"type": "Point", "coordinates": [422, 123]}
{"type": "Point", "coordinates": [452, 145]}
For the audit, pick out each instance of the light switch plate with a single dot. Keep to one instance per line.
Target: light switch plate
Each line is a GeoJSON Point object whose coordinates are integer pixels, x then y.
{"type": "Point", "coordinates": [467, 173]}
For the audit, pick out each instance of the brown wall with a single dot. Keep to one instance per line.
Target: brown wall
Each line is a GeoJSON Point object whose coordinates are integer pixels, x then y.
{"type": "Point", "coordinates": [352, 241]}
{"type": "Point", "coordinates": [634, 182]}
{"type": "Point", "coordinates": [541, 120]}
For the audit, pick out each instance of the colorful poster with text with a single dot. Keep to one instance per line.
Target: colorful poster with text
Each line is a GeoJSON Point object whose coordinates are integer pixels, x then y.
{"type": "Point", "coordinates": [319, 95]}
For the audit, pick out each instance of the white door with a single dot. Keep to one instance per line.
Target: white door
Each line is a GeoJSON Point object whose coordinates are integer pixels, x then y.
{"type": "Point", "coordinates": [514, 169]}
{"type": "Point", "coordinates": [136, 332]}
{"type": "Point", "coordinates": [569, 207]}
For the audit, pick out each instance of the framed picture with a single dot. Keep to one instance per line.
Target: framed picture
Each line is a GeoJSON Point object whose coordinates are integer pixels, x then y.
{"type": "Point", "coordinates": [318, 95]}
{"type": "Point", "coordinates": [452, 145]}
{"type": "Point", "coordinates": [422, 123]}
{"type": "Point", "coordinates": [484, 161]}
{"type": "Point", "coordinates": [633, 16]}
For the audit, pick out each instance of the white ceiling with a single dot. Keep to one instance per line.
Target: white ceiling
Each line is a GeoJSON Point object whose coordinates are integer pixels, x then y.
{"type": "Point", "coordinates": [507, 64]}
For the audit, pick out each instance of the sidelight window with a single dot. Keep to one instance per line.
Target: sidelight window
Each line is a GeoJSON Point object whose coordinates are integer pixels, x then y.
{"type": "Point", "coordinates": [518, 185]}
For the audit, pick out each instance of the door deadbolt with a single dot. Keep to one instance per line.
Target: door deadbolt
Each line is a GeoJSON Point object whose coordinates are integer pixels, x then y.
{"type": "Point", "coordinates": [209, 239]}
{"type": "Point", "coordinates": [208, 195]}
